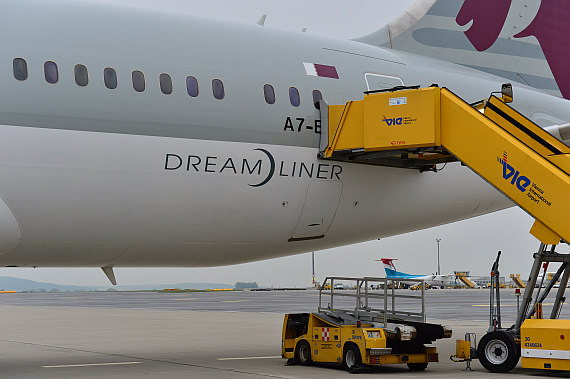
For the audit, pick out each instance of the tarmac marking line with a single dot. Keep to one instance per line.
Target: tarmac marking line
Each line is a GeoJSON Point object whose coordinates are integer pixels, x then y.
{"type": "Point", "coordinates": [487, 305]}
{"type": "Point", "coordinates": [147, 359]}
{"type": "Point", "coordinates": [244, 358]}
{"type": "Point", "coordinates": [504, 305]}
{"type": "Point", "coordinates": [234, 301]}
{"type": "Point", "coordinates": [94, 364]}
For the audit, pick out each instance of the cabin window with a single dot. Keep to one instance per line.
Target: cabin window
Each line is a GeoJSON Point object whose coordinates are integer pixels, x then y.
{"type": "Point", "coordinates": [294, 96]}
{"type": "Point", "coordinates": [218, 89]}
{"type": "Point", "coordinates": [138, 81]}
{"type": "Point", "coordinates": [269, 94]}
{"type": "Point", "coordinates": [165, 84]}
{"type": "Point", "coordinates": [81, 75]}
{"type": "Point", "coordinates": [20, 68]}
{"type": "Point", "coordinates": [317, 96]}
{"type": "Point", "coordinates": [110, 77]}
{"type": "Point", "coordinates": [192, 86]}
{"type": "Point", "coordinates": [50, 72]}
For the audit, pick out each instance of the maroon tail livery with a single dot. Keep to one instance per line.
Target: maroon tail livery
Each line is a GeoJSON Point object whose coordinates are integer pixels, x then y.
{"type": "Point", "coordinates": [551, 27]}
{"type": "Point", "coordinates": [488, 19]}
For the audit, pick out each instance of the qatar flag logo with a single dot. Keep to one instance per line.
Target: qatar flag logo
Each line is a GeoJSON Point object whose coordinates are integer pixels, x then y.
{"type": "Point", "coordinates": [321, 70]}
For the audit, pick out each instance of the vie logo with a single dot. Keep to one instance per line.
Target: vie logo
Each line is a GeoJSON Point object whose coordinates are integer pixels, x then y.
{"type": "Point", "coordinates": [509, 172]}
{"type": "Point", "coordinates": [393, 121]}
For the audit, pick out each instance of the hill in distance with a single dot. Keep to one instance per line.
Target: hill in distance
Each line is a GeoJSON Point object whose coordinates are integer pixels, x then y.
{"type": "Point", "coordinates": [8, 283]}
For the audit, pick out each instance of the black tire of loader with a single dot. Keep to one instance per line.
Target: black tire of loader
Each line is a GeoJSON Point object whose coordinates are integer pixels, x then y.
{"type": "Point", "coordinates": [303, 353]}
{"type": "Point", "coordinates": [491, 349]}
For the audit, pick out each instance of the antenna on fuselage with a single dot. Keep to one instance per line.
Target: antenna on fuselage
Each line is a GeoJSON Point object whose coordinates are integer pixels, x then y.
{"type": "Point", "coordinates": [262, 19]}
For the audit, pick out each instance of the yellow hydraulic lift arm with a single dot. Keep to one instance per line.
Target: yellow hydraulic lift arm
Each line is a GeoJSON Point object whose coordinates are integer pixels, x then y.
{"type": "Point", "coordinates": [418, 128]}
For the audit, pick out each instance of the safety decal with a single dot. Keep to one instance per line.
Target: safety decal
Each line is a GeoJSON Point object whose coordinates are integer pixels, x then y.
{"type": "Point", "coordinates": [326, 334]}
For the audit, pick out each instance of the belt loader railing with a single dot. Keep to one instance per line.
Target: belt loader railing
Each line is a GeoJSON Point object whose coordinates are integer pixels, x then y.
{"type": "Point", "coordinates": [375, 299]}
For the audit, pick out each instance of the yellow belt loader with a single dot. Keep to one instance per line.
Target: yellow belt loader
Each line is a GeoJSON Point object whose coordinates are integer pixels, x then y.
{"type": "Point", "coordinates": [373, 333]}
{"type": "Point", "coordinates": [418, 128]}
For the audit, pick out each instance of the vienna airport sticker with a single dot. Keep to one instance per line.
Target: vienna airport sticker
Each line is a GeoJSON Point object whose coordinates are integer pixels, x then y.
{"type": "Point", "coordinates": [398, 101]}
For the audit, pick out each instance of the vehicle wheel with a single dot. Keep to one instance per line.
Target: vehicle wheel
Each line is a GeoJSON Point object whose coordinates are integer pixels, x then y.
{"type": "Point", "coordinates": [351, 358]}
{"type": "Point", "coordinates": [497, 352]}
{"type": "Point", "coordinates": [303, 353]}
{"type": "Point", "coordinates": [417, 366]}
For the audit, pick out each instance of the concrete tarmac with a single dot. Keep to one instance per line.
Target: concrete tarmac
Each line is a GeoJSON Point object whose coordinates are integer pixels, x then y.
{"type": "Point", "coordinates": [198, 335]}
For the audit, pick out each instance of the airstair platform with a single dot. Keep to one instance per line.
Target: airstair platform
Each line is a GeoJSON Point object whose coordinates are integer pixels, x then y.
{"type": "Point", "coordinates": [462, 276]}
{"type": "Point", "coordinates": [517, 281]}
{"type": "Point", "coordinates": [418, 128]}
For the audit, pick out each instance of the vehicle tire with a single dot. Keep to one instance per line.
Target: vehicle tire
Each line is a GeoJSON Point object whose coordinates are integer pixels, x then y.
{"type": "Point", "coordinates": [417, 366]}
{"type": "Point", "coordinates": [351, 357]}
{"type": "Point", "coordinates": [498, 352]}
{"type": "Point", "coordinates": [303, 353]}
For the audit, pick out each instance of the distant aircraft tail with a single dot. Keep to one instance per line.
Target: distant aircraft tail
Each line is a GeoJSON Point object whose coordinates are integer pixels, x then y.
{"type": "Point", "coordinates": [389, 267]}
{"type": "Point", "coordinates": [522, 41]}
{"type": "Point", "coordinates": [391, 271]}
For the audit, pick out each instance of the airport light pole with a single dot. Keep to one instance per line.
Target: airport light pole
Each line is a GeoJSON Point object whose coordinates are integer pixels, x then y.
{"type": "Point", "coordinates": [438, 267]}
{"type": "Point", "coordinates": [313, 254]}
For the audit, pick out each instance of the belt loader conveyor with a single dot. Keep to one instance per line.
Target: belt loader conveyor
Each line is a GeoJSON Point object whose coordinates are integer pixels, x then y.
{"type": "Point", "coordinates": [418, 128]}
{"type": "Point", "coordinates": [362, 326]}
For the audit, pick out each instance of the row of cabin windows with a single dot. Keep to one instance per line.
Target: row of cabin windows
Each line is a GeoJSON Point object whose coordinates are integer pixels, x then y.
{"type": "Point", "coordinates": [294, 97]}
{"type": "Point", "coordinates": [51, 74]}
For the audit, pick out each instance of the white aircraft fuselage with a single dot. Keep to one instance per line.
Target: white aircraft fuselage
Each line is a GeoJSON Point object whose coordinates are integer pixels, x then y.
{"type": "Point", "coordinates": [93, 176]}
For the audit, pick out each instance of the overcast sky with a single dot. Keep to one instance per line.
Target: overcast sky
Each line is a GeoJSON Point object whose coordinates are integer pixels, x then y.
{"type": "Point", "coordinates": [466, 245]}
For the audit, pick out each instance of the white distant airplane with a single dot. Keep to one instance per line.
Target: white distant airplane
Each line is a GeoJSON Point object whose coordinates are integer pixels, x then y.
{"type": "Point", "coordinates": [431, 280]}
{"type": "Point", "coordinates": [138, 138]}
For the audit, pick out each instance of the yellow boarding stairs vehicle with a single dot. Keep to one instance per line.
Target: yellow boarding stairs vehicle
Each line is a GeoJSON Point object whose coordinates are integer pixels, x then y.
{"type": "Point", "coordinates": [462, 276]}
{"type": "Point", "coordinates": [516, 279]}
{"type": "Point", "coordinates": [371, 333]}
{"type": "Point", "coordinates": [418, 128]}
